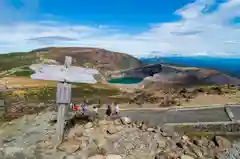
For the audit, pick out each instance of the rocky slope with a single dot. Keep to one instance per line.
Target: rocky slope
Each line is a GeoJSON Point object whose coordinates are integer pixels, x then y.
{"type": "Point", "coordinates": [33, 136]}
{"type": "Point", "coordinates": [187, 76]}
{"type": "Point", "coordinates": [139, 72]}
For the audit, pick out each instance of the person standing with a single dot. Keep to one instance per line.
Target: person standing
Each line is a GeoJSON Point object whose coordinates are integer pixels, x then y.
{"type": "Point", "coordinates": [109, 110]}
{"type": "Point", "coordinates": [71, 105]}
{"type": "Point", "coordinates": [116, 108]}
{"type": "Point", "coordinates": [83, 107]}
{"type": "Point", "coordinates": [75, 107]}
{"type": "Point", "coordinates": [95, 109]}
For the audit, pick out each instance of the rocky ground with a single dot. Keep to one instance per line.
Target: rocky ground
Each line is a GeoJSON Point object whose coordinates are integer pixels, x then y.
{"type": "Point", "coordinates": [166, 97]}
{"type": "Point", "coordinates": [34, 137]}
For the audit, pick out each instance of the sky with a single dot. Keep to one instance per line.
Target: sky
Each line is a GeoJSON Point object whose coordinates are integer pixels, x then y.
{"type": "Point", "coordinates": [137, 27]}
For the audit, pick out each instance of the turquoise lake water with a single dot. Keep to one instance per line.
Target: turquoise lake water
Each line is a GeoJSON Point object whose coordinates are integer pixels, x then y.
{"type": "Point", "coordinates": [125, 80]}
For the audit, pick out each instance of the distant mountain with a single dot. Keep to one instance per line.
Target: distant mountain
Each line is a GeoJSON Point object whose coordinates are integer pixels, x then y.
{"type": "Point", "coordinates": [229, 66]}
{"type": "Point", "coordinates": [101, 59]}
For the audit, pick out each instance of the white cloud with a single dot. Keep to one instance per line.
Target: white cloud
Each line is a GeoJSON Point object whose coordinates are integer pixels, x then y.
{"type": "Point", "coordinates": [197, 33]}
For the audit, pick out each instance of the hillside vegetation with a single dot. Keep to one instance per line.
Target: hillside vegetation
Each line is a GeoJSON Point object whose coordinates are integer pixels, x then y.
{"type": "Point", "coordinates": [100, 59]}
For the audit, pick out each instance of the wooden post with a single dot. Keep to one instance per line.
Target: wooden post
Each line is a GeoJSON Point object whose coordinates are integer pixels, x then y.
{"type": "Point", "coordinates": [63, 99]}
{"type": "Point", "coordinates": [60, 122]}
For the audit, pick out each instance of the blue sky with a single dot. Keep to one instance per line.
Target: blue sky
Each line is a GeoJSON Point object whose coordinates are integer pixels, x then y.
{"type": "Point", "coordinates": [137, 27]}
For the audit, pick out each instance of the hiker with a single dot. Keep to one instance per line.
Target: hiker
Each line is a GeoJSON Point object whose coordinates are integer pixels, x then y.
{"type": "Point", "coordinates": [116, 108]}
{"type": "Point", "coordinates": [109, 110]}
{"type": "Point", "coordinates": [99, 103]}
{"type": "Point", "coordinates": [83, 107]}
{"type": "Point", "coordinates": [71, 105]}
{"type": "Point", "coordinates": [95, 109]}
{"type": "Point", "coordinates": [75, 107]}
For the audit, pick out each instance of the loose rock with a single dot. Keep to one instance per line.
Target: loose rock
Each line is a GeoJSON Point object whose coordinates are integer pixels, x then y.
{"type": "Point", "coordinates": [125, 120]}
{"type": "Point", "coordinates": [187, 157]}
{"type": "Point", "coordinates": [88, 125]}
{"type": "Point", "coordinates": [99, 139]}
{"type": "Point", "coordinates": [97, 157]}
{"type": "Point", "coordinates": [113, 157]}
{"type": "Point", "coordinates": [69, 147]}
{"type": "Point", "coordinates": [112, 130]}
{"type": "Point", "coordinates": [222, 142]}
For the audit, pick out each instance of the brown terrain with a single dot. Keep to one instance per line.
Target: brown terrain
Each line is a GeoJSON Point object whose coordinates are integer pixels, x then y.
{"type": "Point", "coordinates": [194, 96]}
{"type": "Point", "coordinates": [98, 58]}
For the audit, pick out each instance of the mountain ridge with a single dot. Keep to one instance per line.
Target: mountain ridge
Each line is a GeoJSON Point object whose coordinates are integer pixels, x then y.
{"type": "Point", "coordinates": [108, 62]}
{"type": "Point", "coordinates": [87, 57]}
{"type": "Point", "coordinates": [229, 65]}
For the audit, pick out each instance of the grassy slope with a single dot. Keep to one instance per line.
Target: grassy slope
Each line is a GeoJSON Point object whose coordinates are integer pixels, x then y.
{"type": "Point", "coordinates": [101, 59]}
{"type": "Point", "coordinates": [91, 58]}
{"type": "Point", "coordinates": [46, 90]}
{"type": "Point", "coordinates": [13, 60]}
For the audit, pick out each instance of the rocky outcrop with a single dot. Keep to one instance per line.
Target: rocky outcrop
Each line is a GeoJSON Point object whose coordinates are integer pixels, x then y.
{"type": "Point", "coordinates": [33, 136]}
{"type": "Point", "coordinates": [211, 127]}
{"type": "Point", "coordinates": [140, 72]}
{"type": "Point", "coordinates": [186, 76]}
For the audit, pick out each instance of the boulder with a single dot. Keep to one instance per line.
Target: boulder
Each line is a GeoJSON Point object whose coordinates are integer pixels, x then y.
{"type": "Point", "coordinates": [222, 142]}
{"type": "Point", "coordinates": [125, 120]}
{"type": "Point", "coordinates": [117, 122]}
{"type": "Point", "coordinates": [88, 125]}
{"type": "Point", "coordinates": [113, 157]}
{"type": "Point", "coordinates": [112, 130]}
{"type": "Point", "coordinates": [69, 157]}
{"type": "Point", "coordinates": [143, 127]}
{"type": "Point", "coordinates": [171, 155]}
{"type": "Point", "coordinates": [11, 151]}
{"type": "Point", "coordinates": [53, 118]}
{"type": "Point", "coordinates": [99, 140]}
{"type": "Point", "coordinates": [69, 147]}
{"type": "Point", "coordinates": [186, 157]}
{"type": "Point", "coordinates": [160, 155]}
{"type": "Point", "coordinates": [197, 151]}
{"type": "Point", "coordinates": [185, 138]}
{"type": "Point", "coordinates": [76, 132]}
{"type": "Point", "coordinates": [97, 157]}
{"type": "Point", "coordinates": [151, 130]}
{"type": "Point", "coordinates": [103, 122]}
{"type": "Point", "coordinates": [161, 144]}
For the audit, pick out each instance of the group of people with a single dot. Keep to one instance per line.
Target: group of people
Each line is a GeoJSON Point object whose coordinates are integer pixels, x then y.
{"type": "Point", "coordinates": [95, 109]}
{"type": "Point", "coordinates": [109, 109]}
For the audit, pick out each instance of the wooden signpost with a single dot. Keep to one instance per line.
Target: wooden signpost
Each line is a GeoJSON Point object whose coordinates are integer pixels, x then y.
{"type": "Point", "coordinates": [63, 74]}
{"type": "Point", "coordinates": [2, 106]}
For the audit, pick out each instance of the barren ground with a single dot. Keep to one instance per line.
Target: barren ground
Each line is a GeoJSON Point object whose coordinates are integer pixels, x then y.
{"type": "Point", "coordinates": [209, 99]}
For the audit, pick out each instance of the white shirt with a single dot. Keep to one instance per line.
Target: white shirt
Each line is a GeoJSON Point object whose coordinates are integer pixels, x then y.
{"type": "Point", "coordinates": [116, 108]}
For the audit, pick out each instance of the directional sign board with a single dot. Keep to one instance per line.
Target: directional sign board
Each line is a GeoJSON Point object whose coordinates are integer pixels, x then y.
{"type": "Point", "coordinates": [61, 73]}
{"type": "Point", "coordinates": [64, 75]}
